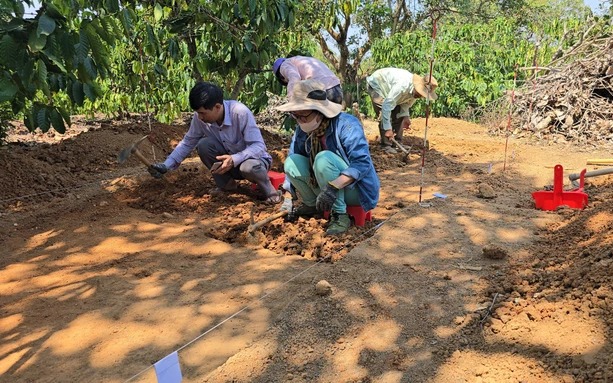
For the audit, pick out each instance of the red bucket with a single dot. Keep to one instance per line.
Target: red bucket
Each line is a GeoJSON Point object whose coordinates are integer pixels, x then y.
{"type": "Point", "coordinates": [551, 200]}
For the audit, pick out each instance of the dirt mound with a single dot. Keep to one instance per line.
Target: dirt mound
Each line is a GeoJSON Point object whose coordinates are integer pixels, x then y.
{"type": "Point", "coordinates": [565, 280]}
{"type": "Point", "coordinates": [37, 167]}
{"type": "Point", "coordinates": [57, 167]}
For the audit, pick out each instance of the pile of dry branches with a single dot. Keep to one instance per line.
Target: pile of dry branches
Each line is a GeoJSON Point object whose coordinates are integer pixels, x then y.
{"type": "Point", "coordinates": [573, 100]}
{"type": "Point", "coordinates": [270, 117]}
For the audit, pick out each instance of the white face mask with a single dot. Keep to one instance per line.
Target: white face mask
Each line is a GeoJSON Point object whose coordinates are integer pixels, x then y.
{"type": "Point", "coordinates": [310, 126]}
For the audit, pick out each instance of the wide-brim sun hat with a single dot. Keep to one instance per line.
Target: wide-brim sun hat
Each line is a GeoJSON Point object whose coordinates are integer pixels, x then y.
{"type": "Point", "coordinates": [424, 87]}
{"type": "Point", "coordinates": [311, 95]}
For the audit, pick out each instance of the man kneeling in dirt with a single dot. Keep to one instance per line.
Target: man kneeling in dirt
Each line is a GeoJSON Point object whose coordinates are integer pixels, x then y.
{"type": "Point", "coordinates": [329, 162]}
{"type": "Point", "coordinates": [228, 141]}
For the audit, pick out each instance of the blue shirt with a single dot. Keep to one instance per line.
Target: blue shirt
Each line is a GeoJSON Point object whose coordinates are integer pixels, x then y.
{"type": "Point", "coordinates": [238, 133]}
{"type": "Point", "coordinates": [345, 137]}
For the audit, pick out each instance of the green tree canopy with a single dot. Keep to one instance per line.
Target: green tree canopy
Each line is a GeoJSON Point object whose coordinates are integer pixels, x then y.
{"type": "Point", "coordinates": [73, 50]}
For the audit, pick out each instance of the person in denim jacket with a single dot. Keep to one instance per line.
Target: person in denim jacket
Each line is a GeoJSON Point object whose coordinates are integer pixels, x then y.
{"type": "Point", "coordinates": [329, 163]}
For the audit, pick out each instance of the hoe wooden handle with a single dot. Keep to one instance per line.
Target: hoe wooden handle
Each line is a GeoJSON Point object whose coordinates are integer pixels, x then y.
{"type": "Point", "coordinates": [142, 158]}
{"type": "Point", "coordinates": [600, 161]}
{"type": "Point", "coordinates": [254, 226]}
{"type": "Point", "coordinates": [399, 145]}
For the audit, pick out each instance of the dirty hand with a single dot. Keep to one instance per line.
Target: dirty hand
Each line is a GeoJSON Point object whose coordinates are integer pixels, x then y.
{"type": "Point", "coordinates": [326, 198]}
{"type": "Point", "coordinates": [389, 133]}
{"type": "Point", "coordinates": [406, 124]}
{"type": "Point", "coordinates": [157, 170]}
{"type": "Point", "coordinates": [226, 164]}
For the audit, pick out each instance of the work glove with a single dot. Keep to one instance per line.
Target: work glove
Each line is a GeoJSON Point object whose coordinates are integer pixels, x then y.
{"type": "Point", "coordinates": [288, 204]}
{"type": "Point", "coordinates": [326, 198]}
{"type": "Point", "coordinates": [291, 216]}
{"type": "Point", "coordinates": [157, 170]}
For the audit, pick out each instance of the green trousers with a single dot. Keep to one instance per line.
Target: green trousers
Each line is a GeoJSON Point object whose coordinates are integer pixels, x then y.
{"type": "Point", "coordinates": [327, 167]}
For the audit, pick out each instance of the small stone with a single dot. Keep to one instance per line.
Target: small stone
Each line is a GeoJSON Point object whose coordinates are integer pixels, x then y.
{"type": "Point", "coordinates": [167, 215]}
{"type": "Point", "coordinates": [486, 191]}
{"type": "Point", "coordinates": [577, 362]}
{"type": "Point", "coordinates": [323, 288]}
{"type": "Point", "coordinates": [103, 203]}
{"type": "Point", "coordinates": [494, 252]}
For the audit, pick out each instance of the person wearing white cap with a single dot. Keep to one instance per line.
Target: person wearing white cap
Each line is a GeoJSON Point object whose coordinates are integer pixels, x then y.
{"type": "Point", "coordinates": [329, 163]}
{"type": "Point", "coordinates": [289, 71]}
{"type": "Point", "coordinates": [393, 91]}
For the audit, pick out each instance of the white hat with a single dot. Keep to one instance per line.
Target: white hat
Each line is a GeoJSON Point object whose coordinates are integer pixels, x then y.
{"type": "Point", "coordinates": [425, 88]}
{"type": "Point", "coordinates": [311, 95]}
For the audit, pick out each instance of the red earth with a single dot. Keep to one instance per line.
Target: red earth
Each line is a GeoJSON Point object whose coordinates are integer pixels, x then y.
{"type": "Point", "coordinates": [106, 270]}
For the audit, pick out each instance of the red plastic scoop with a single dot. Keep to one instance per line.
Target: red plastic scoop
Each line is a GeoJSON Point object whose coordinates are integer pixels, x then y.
{"type": "Point", "coordinates": [550, 200]}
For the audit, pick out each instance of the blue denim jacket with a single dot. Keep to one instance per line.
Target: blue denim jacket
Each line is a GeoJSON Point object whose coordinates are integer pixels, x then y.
{"type": "Point", "coordinates": [345, 137]}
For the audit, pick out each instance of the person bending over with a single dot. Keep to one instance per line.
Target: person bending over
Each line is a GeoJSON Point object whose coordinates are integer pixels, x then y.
{"type": "Point", "coordinates": [297, 68]}
{"type": "Point", "coordinates": [393, 91]}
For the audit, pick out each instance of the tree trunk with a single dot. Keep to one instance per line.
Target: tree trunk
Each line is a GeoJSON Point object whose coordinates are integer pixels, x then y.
{"type": "Point", "coordinates": [239, 83]}
{"type": "Point", "coordinates": [193, 50]}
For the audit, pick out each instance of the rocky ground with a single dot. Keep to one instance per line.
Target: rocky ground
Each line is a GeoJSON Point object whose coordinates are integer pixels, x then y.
{"type": "Point", "coordinates": [106, 270]}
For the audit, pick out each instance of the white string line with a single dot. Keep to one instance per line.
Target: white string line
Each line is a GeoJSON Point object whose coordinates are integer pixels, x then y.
{"type": "Point", "coordinates": [273, 291]}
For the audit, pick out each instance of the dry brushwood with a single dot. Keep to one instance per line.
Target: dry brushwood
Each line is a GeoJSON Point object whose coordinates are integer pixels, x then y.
{"type": "Point", "coordinates": [573, 101]}
{"type": "Point", "coordinates": [270, 116]}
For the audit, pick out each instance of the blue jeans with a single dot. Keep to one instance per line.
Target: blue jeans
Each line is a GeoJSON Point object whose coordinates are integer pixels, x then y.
{"type": "Point", "coordinates": [327, 167]}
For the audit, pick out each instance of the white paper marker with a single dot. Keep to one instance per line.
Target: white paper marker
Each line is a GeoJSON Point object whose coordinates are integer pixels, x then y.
{"type": "Point", "coordinates": [168, 370]}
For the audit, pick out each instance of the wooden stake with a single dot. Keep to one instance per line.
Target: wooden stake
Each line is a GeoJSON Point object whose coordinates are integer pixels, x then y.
{"type": "Point", "coordinates": [600, 161]}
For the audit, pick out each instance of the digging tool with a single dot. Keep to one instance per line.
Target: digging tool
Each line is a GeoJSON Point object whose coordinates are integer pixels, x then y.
{"type": "Point", "coordinates": [401, 147]}
{"type": "Point", "coordinates": [552, 199]}
{"type": "Point", "coordinates": [133, 149]}
{"type": "Point", "coordinates": [285, 209]}
{"type": "Point", "coordinates": [600, 172]}
{"type": "Point", "coordinates": [256, 225]}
